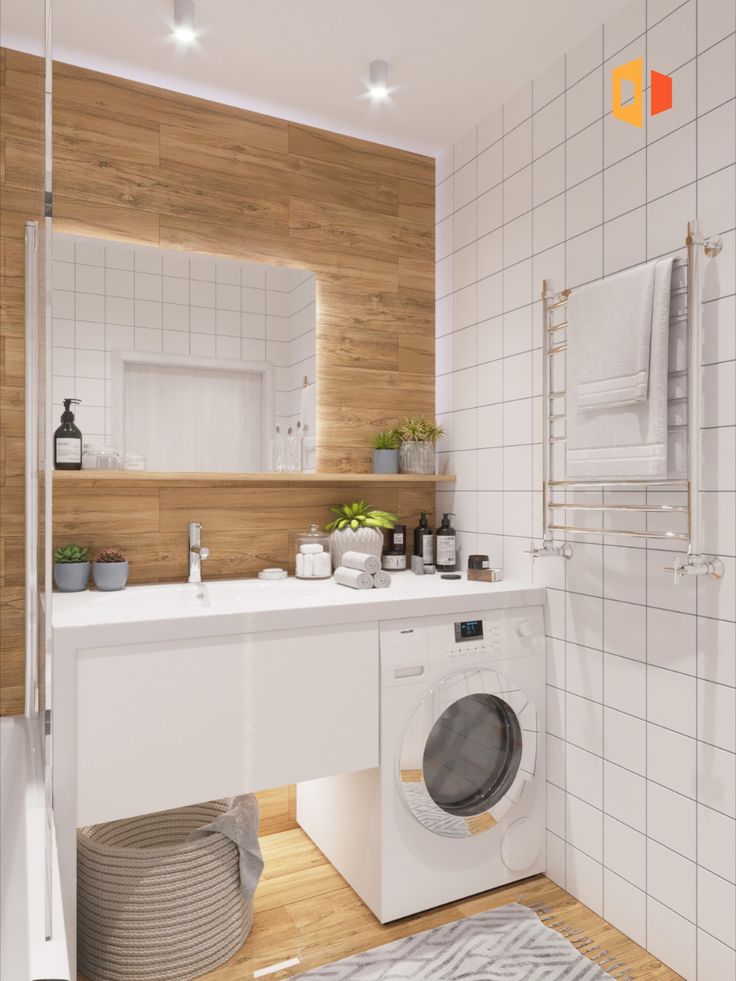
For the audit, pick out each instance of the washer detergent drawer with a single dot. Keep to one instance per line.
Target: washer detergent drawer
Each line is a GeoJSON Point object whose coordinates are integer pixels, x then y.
{"type": "Point", "coordinates": [164, 724]}
{"type": "Point", "coordinates": [404, 652]}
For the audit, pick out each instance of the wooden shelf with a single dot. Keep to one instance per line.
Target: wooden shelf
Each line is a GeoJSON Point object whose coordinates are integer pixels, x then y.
{"type": "Point", "coordinates": [246, 479]}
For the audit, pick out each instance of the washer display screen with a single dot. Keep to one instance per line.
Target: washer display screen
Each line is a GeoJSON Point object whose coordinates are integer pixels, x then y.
{"type": "Point", "coordinates": [469, 630]}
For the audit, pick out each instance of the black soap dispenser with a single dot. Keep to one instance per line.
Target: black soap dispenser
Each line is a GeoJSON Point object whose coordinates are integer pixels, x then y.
{"type": "Point", "coordinates": [424, 540]}
{"type": "Point", "coordinates": [68, 440]}
{"type": "Point", "coordinates": [446, 545]}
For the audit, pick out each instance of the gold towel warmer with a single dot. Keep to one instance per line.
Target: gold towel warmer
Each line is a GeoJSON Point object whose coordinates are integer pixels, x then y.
{"type": "Point", "coordinates": [694, 563]}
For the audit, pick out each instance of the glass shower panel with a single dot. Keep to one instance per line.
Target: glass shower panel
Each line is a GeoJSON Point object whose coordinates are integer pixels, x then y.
{"type": "Point", "coordinates": [27, 216]}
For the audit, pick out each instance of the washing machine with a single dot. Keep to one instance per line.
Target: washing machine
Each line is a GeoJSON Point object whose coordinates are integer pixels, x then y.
{"type": "Point", "coordinates": [457, 804]}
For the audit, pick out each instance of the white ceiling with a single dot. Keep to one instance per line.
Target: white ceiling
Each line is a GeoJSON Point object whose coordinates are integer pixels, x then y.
{"type": "Point", "coordinates": [451, 62]}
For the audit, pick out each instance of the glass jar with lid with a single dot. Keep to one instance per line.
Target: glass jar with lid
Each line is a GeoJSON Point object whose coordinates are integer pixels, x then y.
{"type": "Point", "coordinates": [313, 554]}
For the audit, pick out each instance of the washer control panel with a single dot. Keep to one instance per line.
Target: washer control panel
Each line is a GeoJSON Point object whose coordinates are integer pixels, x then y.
{"type": "Point", "coordinates": [489, 635]}
{"type": "Point", "coordinates": [476, 636]}
{"type": "Point", "coordinates": [412, 649]}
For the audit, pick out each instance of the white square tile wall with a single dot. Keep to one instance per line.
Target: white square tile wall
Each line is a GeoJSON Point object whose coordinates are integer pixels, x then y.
{"type": "Point", "coordinates": [641, 702]}
{"type": "Point", "coordinates": [112, 296]}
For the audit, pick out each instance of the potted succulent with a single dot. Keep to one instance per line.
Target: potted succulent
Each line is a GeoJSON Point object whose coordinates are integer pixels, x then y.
{"type": "Point", "coordinates": [110, 569]}
{"type": "Point", "coordinates": [385, 451]}
{"type": "Point", "coordinates": [71, 568]}
{"type": "Point", "coordinates": [358, 527]}
{"type": "Point", "coordinates": [418, 438]}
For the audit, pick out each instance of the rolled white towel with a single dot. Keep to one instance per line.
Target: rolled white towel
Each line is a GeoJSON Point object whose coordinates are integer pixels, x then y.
{"type": "Point", "coordinates": [322, 565]}
{"type": "Point", "coordinates": [311, 548]}
{"type": "Point", "coordinates": [381, 580]}
{"type": "Point", "coordinates": [361, 561]}
{"type": "Point", "coordinates": [353, 578]}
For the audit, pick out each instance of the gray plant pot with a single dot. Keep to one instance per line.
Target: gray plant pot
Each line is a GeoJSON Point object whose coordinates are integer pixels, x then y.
{"type": "Point", "coordinates": [109, 576]}
{"type": "Point", "coordinates": [385, 461]}
{"type": "Point", "coordinates": [71, 577]}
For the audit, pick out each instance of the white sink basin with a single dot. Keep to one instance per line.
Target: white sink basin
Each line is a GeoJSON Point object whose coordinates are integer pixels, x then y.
{"type": "Point", "coordinates": [183, 599]}
{"type": "Point", "coordinates": [271, 605]}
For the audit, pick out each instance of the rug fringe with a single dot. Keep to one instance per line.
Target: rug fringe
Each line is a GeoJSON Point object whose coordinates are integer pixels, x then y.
{"type": "Point", "coordinates": [583, 943]}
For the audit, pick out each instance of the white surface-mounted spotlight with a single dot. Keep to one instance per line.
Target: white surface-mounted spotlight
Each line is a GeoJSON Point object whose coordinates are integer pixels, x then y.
{"type": "Point", "coordinates": [378, 79]}
{"type": "Point", "coordinates": [184, 23]}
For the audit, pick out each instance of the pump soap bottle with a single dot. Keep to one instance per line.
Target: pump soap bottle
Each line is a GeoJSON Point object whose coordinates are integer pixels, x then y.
{"type": "Point", "coordinates": [68, 440]}
{"type": "Point", "coordinates": [446, 545]}
{"type": "Point", "coordinates": [424, 540]}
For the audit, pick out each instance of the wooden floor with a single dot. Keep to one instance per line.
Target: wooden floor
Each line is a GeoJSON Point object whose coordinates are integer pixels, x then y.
{"type": "Point", "coordinates": [305, 909]}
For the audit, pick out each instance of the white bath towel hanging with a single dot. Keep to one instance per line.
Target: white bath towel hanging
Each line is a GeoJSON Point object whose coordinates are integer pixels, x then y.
{"type": "Point", "coordinates": [612, 432]}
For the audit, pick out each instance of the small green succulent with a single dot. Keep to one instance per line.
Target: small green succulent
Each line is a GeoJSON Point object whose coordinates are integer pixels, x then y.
{"type": "Point", "coordinates": [110, 554]}
{"type": "Point", "coordinates": [360, 515]}
{"type": "Point", "coordinates": [71, 553]}
{"type": "Point", "coordinates": [388, 439]}
{"type": "Point", "coordinates": [419, 430]}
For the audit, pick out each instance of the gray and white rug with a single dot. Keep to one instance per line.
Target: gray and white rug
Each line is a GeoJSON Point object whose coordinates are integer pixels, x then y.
{"type": "Point", "coordinates": [505, 944]}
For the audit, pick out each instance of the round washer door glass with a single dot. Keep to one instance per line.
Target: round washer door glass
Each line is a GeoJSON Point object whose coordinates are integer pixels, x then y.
{"type": "Point", "coordinates": [472, 754]}
{"type": "Point", "coordinates": [467, 753]}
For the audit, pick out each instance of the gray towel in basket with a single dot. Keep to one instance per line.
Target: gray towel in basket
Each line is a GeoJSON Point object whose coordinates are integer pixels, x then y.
{"type": "Point", "coordinates": [240, 824]}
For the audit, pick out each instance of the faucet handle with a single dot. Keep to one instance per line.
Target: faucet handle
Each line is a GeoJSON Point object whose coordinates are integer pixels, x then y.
{"type": "Point", "coordinates": [204, 552]}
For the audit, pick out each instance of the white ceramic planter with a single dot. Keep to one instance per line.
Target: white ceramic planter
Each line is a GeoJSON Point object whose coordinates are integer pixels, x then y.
{"type": "Point", "coordinates": [368, 540]}
{"type": "Point", "coordinates": [417, 457]}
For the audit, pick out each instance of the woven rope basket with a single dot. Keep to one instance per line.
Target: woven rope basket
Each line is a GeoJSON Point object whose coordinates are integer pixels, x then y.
{"type": "Point", "coordinates": [153, 906]}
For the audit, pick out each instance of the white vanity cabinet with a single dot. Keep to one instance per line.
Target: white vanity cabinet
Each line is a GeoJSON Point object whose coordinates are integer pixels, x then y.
{"type": "Point", "coordinates": [178, 693]}
{"type": "Point", "coordinates": [169, 723]}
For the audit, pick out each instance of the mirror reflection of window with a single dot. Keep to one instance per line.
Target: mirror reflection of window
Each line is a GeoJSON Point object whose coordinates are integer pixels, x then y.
{"type": "Point", "coordinates": [114, 302]}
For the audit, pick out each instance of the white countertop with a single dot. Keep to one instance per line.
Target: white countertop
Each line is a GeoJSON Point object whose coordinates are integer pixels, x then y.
{"type": "Point", "coordinates": [234, 606]}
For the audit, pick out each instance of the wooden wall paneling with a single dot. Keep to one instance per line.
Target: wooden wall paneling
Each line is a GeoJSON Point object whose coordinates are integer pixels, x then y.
{"type": "Point", "coordinates": [245, 528]}
{"type": "Point", "coordinates": [137, 163]}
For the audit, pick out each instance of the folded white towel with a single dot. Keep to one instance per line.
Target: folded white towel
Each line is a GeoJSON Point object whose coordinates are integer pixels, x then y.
{"type": "Point", "coordinates": [623, 440]}
{"type": "Point", "coordinates": [381, 580]}
{"type": "Point", "coordinates": [609, 333]}
{"type": "Point", "coordinates": [353, 578]}
{"type": "Point", "coordinates": [362, 561]}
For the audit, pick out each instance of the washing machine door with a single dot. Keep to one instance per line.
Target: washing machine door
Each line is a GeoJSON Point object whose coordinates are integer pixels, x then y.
{"type": "Point", "coordinates": [469, 749]}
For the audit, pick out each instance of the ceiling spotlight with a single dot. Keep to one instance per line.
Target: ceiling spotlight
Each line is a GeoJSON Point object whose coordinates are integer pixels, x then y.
{"type": "Point", "coordinates": [184, 25]}
{"type": "Point", "coordinates": [378, 79]}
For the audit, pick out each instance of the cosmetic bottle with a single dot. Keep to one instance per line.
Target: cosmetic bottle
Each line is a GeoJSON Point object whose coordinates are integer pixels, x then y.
{"type": "Point", "coordinates": [394, 553]}
{"type": "Point", "coordinates": [68, 440]}
{"type": "Point", "coordinates": [424, 540]}
{"type": "Point", "coordinates": [446, 545]}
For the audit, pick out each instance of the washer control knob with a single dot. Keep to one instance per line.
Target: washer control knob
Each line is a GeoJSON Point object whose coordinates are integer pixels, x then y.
{"type": "Point", "coordinates": [523, 628]}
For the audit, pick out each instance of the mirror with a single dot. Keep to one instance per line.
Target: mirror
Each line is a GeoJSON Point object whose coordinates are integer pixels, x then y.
{"type": "Point", "coordinates": [184, 362]}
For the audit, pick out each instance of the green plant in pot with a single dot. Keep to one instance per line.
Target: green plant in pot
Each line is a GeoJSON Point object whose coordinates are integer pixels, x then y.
{"type": "Point", "coordinates": [385, 451]}
{"type": "Point", "coordinates": [358, 528]}
{"type": "Point", "coordinates": [419, 438]}
{"type": "Point", "coordinates": [71, 568]}
{"type": "Point", "coordinates": [110, 569]}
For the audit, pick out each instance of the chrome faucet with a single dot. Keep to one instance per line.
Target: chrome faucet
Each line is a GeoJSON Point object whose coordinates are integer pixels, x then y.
{"type": "Point", "coordinates": [197, 552]}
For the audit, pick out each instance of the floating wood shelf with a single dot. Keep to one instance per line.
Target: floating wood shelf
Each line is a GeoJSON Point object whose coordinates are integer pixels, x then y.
{"type": "Point", "coordinates": [247, 479]}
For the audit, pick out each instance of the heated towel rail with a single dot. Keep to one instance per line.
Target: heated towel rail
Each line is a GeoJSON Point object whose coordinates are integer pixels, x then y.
{"type": "Point", "coordinates": [561, 496]}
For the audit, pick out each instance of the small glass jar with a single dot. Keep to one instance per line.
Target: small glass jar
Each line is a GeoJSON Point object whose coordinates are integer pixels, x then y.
{"type": "Point", "coordinates": [313, 554]}
{"type": "Point", "coordinates": [134, 461]}
{"type": "Point", "coordinates": [90, 454]}
{"type": "Point", "coordinates": [108, 458]}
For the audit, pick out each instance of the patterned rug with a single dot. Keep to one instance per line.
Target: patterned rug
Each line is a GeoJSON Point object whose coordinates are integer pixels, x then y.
{"type": "Point", "coordinates": [505, 944]}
